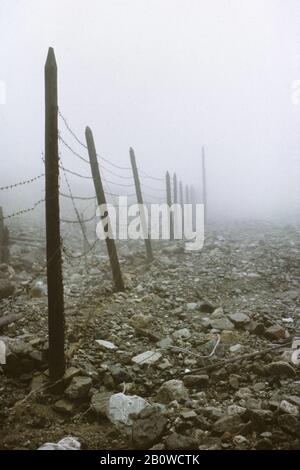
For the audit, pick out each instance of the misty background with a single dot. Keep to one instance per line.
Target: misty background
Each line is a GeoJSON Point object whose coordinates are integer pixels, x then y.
{"type": "Point", "coordinates": [165, 77]}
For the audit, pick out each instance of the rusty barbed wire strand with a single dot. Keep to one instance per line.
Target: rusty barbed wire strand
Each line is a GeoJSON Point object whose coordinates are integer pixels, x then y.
{"type": "Point", "coordinates": [24, 211]}
{"type": "Point", "coordinates": [80, 198]}
{"type": "Point", "coordinates": [70, 130]}
{"type": "Point", "coordinates": [60, 138]}
{"type": "Point", "coordinates": [69, 221]}
{"type": "Point", "coordinates": [75, 208]}
{"type": "Point", "coordinates": [128, 168]}
{"type": "Point", "coordinates": [75, 173]}
{"type": "Point", "coordinates": [71, 255]}
{"type": "Point", "coordinates": [85, 146]}
{"type": "Point", "coordinates": [21, 183]}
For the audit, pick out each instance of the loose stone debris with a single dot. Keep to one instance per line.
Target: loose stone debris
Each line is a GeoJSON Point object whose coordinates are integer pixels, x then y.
{"type": "Point", "coordinates": [201, 351]}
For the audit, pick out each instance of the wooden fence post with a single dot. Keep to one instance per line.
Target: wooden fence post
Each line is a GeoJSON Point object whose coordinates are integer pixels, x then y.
{"type": "Point", "coordinates": [139, 197]}
{"type": "Point", "coordinates": [187, 196]}
{"type": "Point", "coordinates": [1, 235]}
{"type": "Point", "coordinates": [204, 195]}
{"type": "Point", "coordinates": [193, 202]}
{"type": "Point", "coordinates": [175, 200]}
{"type": "Point", "coordinates": [175, 192]}
{"type": "Point", "coordinates": [110, 242]}
{"type": "Point", "coordinates": [56, 320]}
{"type": "Point", "coordinates": [169, 202]}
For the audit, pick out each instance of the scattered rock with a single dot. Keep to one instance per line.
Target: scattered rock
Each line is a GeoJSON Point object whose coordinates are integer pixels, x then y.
{"type": "Point", "coordinates": [239, 319]}
{"type": "Point", "coordinates": [64, 406]}
{"type": "Point", "coordinates": [79, 387]}
{"type": "Point", "coordinates": [287, 407]}
{"type": "Point", "coordinates": [147, 432]}
{"type": "Point", "coordinates": [275, 332]}
{"type": "Point", "coordinates": [196, 380]}
{"type": "Point", "coordinates": [105, 345]}
{"type": "Point", "coordinates": [121, 407]}
{"type": "Point", "coordinates": [280, 369]}
{"type": "Point", "coordinates": [221, 324]}
{"type": "Point", "coordinates": [139, 320]}
{"type": "Point", "coordinates": [232, 422]}
{"type": "Point", "coordinates": [172, 390]}
{"type": "Point", "coordinates": [179, 442]}
{"type": "Point", "coordinates": [183, 333]}
{"type": "Point", "coordinates": [99, 403]}
{"type": "Point", "coordinates": [147, 357]}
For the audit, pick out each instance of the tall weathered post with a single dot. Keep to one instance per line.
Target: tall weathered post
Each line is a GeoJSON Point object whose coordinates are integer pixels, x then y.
{"type": "Point", "coordinates": [175, 200]}
{"type": "Point", "coordinates": [193, 203]}
{"type": "Point", "coordinates": [56, 320]}
{"type": "Point", "coordinates": [187, 196]}
{"type": "Point", "coordinates": [139, 197]}
{"type": "Point", "coordinates": [181, 193]}
{"type": "Point", "coordinates": [1, 235]}
{"type": "Point", "coordinates": [169, 202]}
{"type": "Point", "coordinates": [110, 242]}
{"type": "Point", "coordinates": [175, 190]}
{"type": "Point", "coordinates": [204, 194]}
{"type": "Point", "coordinates": [4, 240]}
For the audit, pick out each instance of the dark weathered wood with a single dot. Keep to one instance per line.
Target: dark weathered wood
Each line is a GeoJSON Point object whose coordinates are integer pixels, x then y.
{"type": "Point", "coordinates": [1, 235]}
{"type": "Point", "coordinates": [193, 202]}
{"type": "Point", "coordinates": [204, 191]}
{"type": "Point", "coordinates": [187, 195]}
{"type": "Point", "coordinates": [56, 320]}
{"type": "Point", "coordinates": [4, 240]}
{"type": "Point", "coordinates": [139, 197]}
{"type": "Point", "coordinates": [169, 202]}
{"type": "Point", "coordinates": [110, 243]}
{"type": "Point", "coordinates": [175, 189]}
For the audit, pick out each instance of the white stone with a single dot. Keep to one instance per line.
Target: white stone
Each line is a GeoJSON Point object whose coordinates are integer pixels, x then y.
{"type": "Point", "coordinates": [289, 408]}
{"type": "Point", "coordinates": [235, 348]}
{"type": "Point", "coordinates": [147, 357]}
{"type": "Point", "coordinates": [105, 345]}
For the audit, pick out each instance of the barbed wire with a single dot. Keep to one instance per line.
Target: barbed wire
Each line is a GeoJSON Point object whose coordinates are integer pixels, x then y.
{"type": "Point", "coordinates": [85, 146]}
{"type": "Point", "coordinates": [75, 173]}
{"type": "Point", "coordinates": [71, 255]}
{"type": "Point", "coordinates": [146, 175]}
{"type": "Point", "coordinates": [76, 210]}
{"type": "Point", "coordinates": [80, 198]}
{"type": "Point", "coordinates": [68, 221]}
{"type": "Point", "coordinates": [21, 183]}
{"type": "Point", "coordinates": [130, 185]}
{"type": "Point", "coordinates": [152, 188]}
{"type": "Point", "coordinates": [124, 177]}
{"type": "Point", "coordinates": [70, 130]}
{"type": "Point", "coordinates": [60, 138]}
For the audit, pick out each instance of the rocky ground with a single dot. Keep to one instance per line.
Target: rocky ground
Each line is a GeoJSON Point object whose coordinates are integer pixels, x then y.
{"type": "Point", "coordinates": [207, 341]}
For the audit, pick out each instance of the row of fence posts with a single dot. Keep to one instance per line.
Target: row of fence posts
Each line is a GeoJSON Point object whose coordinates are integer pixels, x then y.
{"type": "Point", "coordinates": [56, 318]}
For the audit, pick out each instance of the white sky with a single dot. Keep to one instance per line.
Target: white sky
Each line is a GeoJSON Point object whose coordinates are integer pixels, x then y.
{"type": "Point", "coordinates": [165, 77]}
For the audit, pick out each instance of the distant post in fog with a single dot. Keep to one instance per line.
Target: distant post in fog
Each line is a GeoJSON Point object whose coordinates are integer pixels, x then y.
{"type": "Point", "coordinates": [204, 191]}
{"type": "Point", "coordinates": [169, 202]}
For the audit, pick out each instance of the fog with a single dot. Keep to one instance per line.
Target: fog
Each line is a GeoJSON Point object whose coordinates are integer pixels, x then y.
{"type": "Point", "coordinates": [165, 77]}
